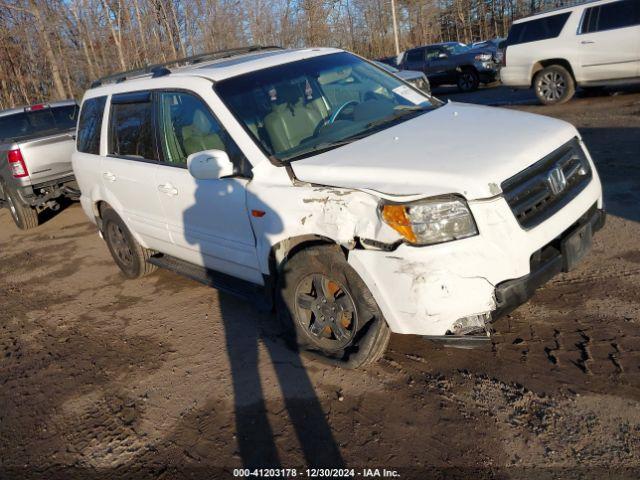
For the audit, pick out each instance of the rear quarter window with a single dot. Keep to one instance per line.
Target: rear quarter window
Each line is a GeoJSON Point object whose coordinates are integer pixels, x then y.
{"type": "Point", "coordinates": [90, 125]}
{"type": "Point", "coordinates": [539, 29]}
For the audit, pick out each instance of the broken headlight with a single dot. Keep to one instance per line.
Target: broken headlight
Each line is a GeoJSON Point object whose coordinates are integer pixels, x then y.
{"type": "Point", "coordinates": [430, 221]}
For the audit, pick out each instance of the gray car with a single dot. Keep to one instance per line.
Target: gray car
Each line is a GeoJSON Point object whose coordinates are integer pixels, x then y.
{"type": "Point", "coordinates": [417, 79]}
{"type": "Point", "coordinates": [452, 63]}
{"type": "Point", "coordinates": [36, 143]}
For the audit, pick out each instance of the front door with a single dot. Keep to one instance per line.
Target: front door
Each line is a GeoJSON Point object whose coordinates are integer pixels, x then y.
{"type": "Point", "coordinates": [609, 41]}
{"type": "Point", "coordinates": [438, 66]}
{"type": "Point", "coordinates": [129, 168]}
{"type": "Point", "coordinates": [207, 219]}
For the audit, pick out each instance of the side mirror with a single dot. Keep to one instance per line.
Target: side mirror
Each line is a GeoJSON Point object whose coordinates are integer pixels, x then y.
{"type": "Point", "coordinates": [443, 55]}
{"type": "Point", "coordinates": [209, 165]}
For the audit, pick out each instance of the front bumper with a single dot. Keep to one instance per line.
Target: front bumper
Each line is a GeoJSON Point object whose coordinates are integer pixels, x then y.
{"type": "Point", "coordinates": [487, 71]}
{"type": "Point", "coordinates": [425, 290]}
{"type": "Point", "coordinates": [546, 264]}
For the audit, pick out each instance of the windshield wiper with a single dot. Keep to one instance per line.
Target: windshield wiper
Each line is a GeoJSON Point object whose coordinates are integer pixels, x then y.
{"type": "Point", "coordinates": [397, 115]}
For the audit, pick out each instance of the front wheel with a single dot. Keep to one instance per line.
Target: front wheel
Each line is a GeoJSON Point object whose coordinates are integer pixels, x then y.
{"type": "Point", "coordinates": [24, 216]}
{"type": "Point", "coordinates": [468, 80]}
{"type": "Point", "coordinates": [327, 307]}
{"type": "Point", "coordinates": [553, 85]}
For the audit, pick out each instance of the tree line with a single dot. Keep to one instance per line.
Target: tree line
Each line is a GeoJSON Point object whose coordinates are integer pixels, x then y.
{"type": "Point", "coordinates": [53, 49]}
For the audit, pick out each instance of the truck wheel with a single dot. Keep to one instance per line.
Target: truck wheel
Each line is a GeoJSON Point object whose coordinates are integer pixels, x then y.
{"type": "Point", "coordinates": [128, 254]}
{"type": "Point", "coordinates": [553, 85]}
{"type": "Point", "coordinates": [468, 80]}
{"type": "Point", "coordinates": [24, 216]}
{"type": "Point", "coordinates": [326, 305]}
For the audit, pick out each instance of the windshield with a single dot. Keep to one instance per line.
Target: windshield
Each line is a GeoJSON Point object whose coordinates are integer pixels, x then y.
{"type": "Point", "coordinates": [36, 122]}
{"type": "Point", "coordinates": [302, 108]}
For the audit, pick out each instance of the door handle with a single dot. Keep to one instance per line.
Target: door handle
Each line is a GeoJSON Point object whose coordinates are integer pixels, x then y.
{"type": "Point", "coordinates": [109, 176]}
{"type": "Point", "coordinates": [586, 42]}
{"type": "Point", "coordinates": [168, 189]}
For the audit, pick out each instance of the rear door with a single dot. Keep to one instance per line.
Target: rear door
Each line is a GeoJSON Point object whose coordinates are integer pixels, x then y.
{"type": "Point", "coordinates": [207, 219]}
{"type": "Point", "coordinates": [128, 171]}
{"type": "Point", "coordinates": [609, 41]}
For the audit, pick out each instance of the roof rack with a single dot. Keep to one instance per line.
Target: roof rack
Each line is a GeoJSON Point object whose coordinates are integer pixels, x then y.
{"type": "Point", "coordinates": [161, 69]}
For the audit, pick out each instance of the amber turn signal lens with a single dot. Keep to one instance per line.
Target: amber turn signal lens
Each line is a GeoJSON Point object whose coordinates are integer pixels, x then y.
{"type": "Point", "coordinates": [396, 218]}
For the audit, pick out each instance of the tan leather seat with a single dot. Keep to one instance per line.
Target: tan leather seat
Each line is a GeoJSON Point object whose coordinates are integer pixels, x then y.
{"type": "Point", "coordinates": [291, 120]}
{"type": "Point", "coordinates": [200, 135]}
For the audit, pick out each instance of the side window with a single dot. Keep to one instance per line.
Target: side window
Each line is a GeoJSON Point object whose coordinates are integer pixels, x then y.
{"type": "Point", "coordinates": [415, 55]}
{"type": "Point", "coordinates": [90, 125]}
{"type": "Point", "coordinates": [131, 126]}
{"type": "Point", "coordinates": [433, 53]}
{"type": "Point", "coordinates": [625, 13]}
{"type": "Point", "coordinates": [540, 29]}
{"type": "Point", "coordinates": [187, 126]}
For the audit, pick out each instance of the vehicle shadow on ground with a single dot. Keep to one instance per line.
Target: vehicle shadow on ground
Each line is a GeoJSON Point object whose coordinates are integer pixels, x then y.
{"type": "Point", "coordinates": [48, 214]}
{"type": "Point", "coordinates": [616, 152]}
{"type": "Point", "coordinates": [245, 335]}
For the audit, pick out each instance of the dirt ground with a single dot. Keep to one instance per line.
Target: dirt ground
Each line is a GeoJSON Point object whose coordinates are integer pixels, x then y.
{"type": "Point", "coordinates": [103, 377]}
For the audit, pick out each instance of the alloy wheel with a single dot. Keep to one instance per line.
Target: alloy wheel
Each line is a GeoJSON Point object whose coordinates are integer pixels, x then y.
{"type": "Point", "coordinates": [326, 311]}
{"type": "Point", "coordinates": [119, 243]}
{"type": "Point", "coordinates": [467, 81]}
{"type": "Point", "coordinates": [12, 208]}
{"type": "Point", "coordinates": [552, 86]}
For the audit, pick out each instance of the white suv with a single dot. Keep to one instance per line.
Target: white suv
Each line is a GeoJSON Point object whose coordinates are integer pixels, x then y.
{"type": "Point", "coordinates": [591, 45]}
{"type": "Point", "coordinates": [353, 202]}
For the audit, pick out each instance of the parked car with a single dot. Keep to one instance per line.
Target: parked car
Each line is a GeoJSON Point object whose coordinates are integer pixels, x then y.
{"type": "Point", "coordinates": [494, 46]}
{"type": "Point", "coordinates": [417, 79]}
{"type": "Point", "coordinates": [36, 144]}
{"type": "Point", "coordinates": [591, 45]}
{"type": "Point", "coordinates": [358, 205]}
{"type": "Point", "coordinates": [451, 64]}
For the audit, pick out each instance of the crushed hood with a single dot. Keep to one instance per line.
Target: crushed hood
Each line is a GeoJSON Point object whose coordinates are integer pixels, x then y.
{"type": "Point", "coordinates": [457, 148]}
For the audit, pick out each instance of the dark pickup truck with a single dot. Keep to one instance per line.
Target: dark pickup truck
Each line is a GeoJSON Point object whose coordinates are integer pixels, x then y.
{"type": "Point", "coordinates": [452, 63]}
{"type": "Point", "coordinates": [36, 143]}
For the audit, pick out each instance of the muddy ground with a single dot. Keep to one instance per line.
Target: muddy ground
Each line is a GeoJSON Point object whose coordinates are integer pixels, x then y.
{"type": "Point", "coordinates": [103, 377]}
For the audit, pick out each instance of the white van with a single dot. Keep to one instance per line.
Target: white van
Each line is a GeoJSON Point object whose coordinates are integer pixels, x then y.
{"type": "Point", "coordinates": [353, 202]}
{"type": "Point", "coordinates": [592, 45]}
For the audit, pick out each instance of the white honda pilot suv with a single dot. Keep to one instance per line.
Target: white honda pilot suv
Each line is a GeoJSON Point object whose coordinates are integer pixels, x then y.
{"type": "Point", "coordinates": [353, 203]}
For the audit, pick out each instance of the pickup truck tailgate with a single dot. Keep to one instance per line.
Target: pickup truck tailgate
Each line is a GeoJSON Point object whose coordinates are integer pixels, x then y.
{"type": "Point", "coordinates": [48, 158]}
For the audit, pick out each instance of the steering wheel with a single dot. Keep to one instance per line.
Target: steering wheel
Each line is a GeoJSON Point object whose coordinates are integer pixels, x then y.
{"type": "Point", "coordinates": [339, 110]}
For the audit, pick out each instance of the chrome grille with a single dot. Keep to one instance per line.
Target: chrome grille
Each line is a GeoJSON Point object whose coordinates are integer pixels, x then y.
{"type": "Point", "coordinates": [538, 192]}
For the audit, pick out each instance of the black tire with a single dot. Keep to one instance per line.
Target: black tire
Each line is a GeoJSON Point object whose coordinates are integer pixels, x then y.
{"type": "Point", "coordinates": [353, 332]}
{"type": "Point", "coordinates": [129, 255]}
{"type": "Point", "coordinates": [554, 85]}
{"type": "Point", "coordinates": [468, 80]}
{"type": "Point", "coordinates": [24, 216]}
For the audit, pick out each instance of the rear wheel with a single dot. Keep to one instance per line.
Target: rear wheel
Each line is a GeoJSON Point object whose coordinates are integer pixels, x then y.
{"type": "Point", "coordinates": [554, 84]}
{"type": "Point", "coordinates": [327, 307]}
{"type": "Point", "coordinates": [468, 80]}
{"type": "Point", "coordinates": [24, 216]}
{"type": "Point", "coordinates": [128, 254]}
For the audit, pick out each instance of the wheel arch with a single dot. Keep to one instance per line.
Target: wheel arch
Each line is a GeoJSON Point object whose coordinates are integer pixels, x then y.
{"type": "Point", "coordinates": [542, 64]}
{"type": "Point", "coordinates": [289, 247]}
